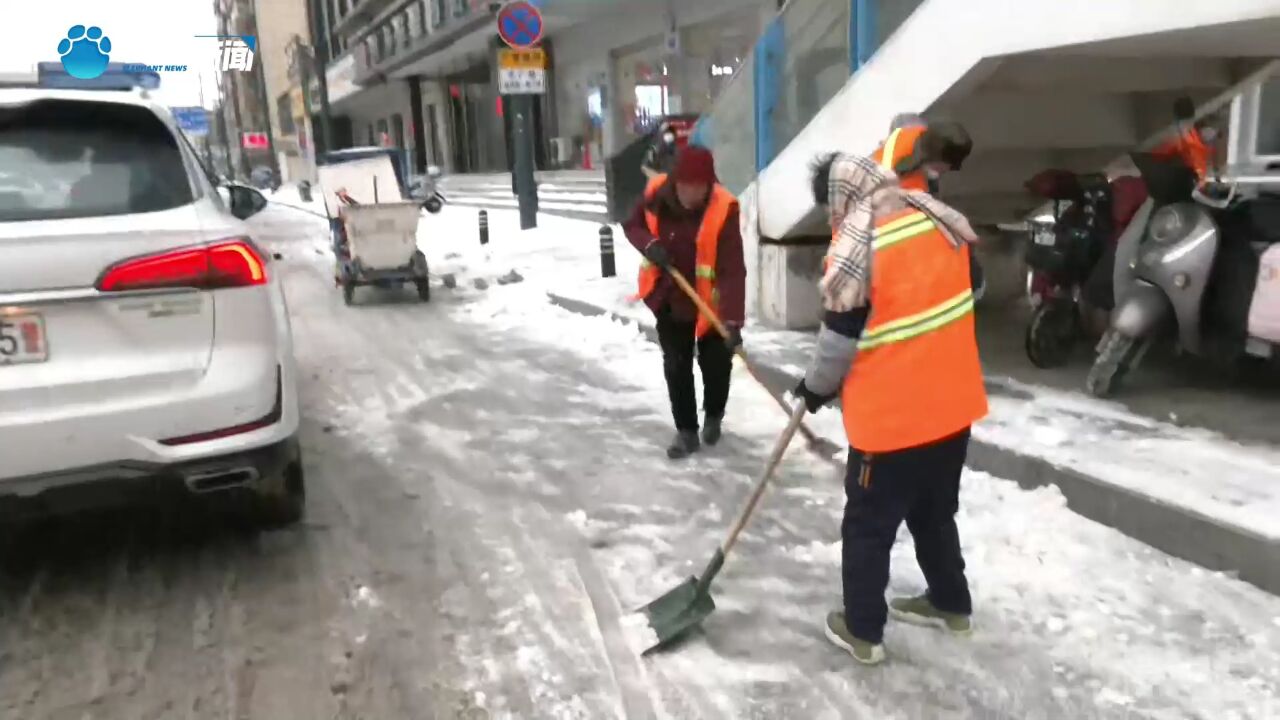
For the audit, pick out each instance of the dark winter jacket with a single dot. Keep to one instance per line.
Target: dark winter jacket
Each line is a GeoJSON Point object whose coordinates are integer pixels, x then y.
{"type": "Point", "coordinates": [678, 233]}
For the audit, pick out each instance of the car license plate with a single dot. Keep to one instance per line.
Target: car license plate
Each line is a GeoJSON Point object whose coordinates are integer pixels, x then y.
{"type": "Point", "coordinates": [22, 339]}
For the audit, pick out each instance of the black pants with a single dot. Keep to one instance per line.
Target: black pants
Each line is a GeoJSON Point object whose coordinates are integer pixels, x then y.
{"type": "Point", "coordinates": [678, 347]}
{"type": "Point", "coordinates": [922, 486]}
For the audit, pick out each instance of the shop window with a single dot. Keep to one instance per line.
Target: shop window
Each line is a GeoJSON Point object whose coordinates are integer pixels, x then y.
{"type": "Point", "coordinates": [1268, 140]}
{"type": "Point", "coordinates": [461, 8]}
{"type": "Point", "coordinates": [437, 13]}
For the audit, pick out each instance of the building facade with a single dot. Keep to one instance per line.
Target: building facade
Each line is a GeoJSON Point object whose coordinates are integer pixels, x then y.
{"type": "Point", "coordinates": [283, 54]}
{"type": "Point", "coordinates": [421, 75]}
{"type": "Point", "coordinates": [242, 105]}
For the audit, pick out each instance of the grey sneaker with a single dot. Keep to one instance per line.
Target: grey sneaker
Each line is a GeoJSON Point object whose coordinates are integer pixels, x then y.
{"type": "Point", "coordinates": [711, 430]}
{"type": "Point", "coordinates": [685, 444]}
{"type": "Point", "coordinates": [919, 610]}
{"type": "Point", "coordinates": [838, 633]}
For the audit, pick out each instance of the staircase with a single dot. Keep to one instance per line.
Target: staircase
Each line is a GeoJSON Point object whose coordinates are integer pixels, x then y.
{"type": "Point", "coordinates": [577, 194]}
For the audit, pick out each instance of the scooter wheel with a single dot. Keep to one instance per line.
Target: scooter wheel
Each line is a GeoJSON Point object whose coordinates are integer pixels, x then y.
{"type": "Point", "coordinates": [1117, 356]}
{"type": "Point", "coordinates": [1052, 334]}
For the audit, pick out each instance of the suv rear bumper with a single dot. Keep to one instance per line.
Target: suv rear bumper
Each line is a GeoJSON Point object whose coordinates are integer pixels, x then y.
{"type": "Point", "coordinates": [130, 482]}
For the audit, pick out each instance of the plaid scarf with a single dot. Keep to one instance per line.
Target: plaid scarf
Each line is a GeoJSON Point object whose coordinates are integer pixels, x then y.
{"type": "Point", "coordinates": [860, 191]}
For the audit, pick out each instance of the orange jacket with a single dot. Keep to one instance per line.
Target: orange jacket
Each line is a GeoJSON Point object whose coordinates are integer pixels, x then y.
{"type": "Point", "coordinates": [1191, 148]}
{"type": "Point", "coordinates": [916, 378]}
{"type": "Point", "coordinates": [719, 206]}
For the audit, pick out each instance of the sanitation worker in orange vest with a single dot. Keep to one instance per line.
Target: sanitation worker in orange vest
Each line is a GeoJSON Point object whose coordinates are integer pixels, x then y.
{"type": "Point", "coordinates": [690, 223]}
{"type": "Point", "coordinates": [897, 345]}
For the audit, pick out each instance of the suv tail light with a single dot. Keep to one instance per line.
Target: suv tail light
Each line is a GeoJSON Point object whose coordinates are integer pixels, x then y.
{"type": "Point", "coordinates": [222, 264]}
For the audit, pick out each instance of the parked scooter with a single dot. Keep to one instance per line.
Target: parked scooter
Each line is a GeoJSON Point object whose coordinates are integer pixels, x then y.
{"type": "Point", "coordinates": [1062, 255]}
{"type": "Point", "coordinates": [1180, 275]}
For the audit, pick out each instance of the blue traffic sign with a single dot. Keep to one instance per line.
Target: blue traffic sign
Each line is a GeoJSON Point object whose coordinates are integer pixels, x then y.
{"type": "Point", "coordinates": [520, 24]}
{"type": "Point", "coordinates": [192, 120]}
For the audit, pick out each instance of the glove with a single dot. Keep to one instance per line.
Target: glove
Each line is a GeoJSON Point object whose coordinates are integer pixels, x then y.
{"type": "Point", "coordinates": [734, 341]}
{"type": "Point", "coordinates": [812, 401]}
{"type": "Point", "coordinates": [656, 254]}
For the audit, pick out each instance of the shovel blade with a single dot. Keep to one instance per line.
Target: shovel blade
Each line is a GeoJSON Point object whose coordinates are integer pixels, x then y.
{"type": "Point", "coordinates": [680, 610]}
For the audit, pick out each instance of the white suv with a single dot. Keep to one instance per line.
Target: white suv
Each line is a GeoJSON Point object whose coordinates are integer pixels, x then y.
{"type": "Point", "coordinates": [144, 338]}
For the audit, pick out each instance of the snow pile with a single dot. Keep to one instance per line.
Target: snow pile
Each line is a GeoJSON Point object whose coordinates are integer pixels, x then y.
{"type": "Point", "coordinates": [1191, 468]}
{"type": "Point", "coordinates": [640, 634]}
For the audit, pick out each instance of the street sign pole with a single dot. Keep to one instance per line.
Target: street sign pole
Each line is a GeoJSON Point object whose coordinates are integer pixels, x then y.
{"type": "Point", "coordinates": [526, 183]}
{"type": "Point", "coordinates": [522, 74]}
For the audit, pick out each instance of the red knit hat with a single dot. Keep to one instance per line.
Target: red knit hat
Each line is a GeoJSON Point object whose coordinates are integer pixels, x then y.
{"type": "Point", "coordinates": [695, 165]}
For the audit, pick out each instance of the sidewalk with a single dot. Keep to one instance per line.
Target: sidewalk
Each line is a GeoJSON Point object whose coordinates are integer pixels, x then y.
{"type": "Point", "coordinates": [1189, 492]}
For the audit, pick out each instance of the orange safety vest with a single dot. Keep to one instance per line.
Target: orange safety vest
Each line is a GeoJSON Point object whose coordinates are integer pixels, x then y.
{"type": "Point", "coordinates": [714, 216]}
{"type": "Point", "coordinates": [916, 378]}
{"type": "Point", "coordinates": [900, 144]}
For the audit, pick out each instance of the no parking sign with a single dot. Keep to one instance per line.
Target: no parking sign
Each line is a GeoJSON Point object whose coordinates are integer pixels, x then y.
{"type": "Point", "coordinates": [520, 24]}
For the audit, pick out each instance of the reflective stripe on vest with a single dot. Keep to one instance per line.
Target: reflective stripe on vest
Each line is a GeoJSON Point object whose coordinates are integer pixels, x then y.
{"type": "Point", "coordinates": [920, 323]}
{"type": "Point", "coordinates": [890, 145]}
{"type": "Point", "coordinates": [900, 145]}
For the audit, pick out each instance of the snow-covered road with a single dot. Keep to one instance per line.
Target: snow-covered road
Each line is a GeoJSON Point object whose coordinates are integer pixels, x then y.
{"type": "Point", "coordinates": [488, 498]}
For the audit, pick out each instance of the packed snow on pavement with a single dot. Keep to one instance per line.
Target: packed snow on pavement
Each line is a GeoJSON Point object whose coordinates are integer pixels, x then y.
{"type": "Point", "coordinates": [1192, 468]}
{"type": "Point", "coordinates": [488, 501]}
{"type": "Point", "coordinates": [1075, 619]}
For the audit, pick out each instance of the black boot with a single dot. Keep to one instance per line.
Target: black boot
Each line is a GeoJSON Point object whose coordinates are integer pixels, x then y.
{"type": "Point", "coordinates": [684, 445]}
{"type": "Point", "coordinates": [711, 430]}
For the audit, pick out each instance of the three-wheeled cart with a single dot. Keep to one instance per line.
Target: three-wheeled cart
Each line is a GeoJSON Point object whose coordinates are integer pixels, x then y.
{"type": "Point", "coordinates": [374, 226]}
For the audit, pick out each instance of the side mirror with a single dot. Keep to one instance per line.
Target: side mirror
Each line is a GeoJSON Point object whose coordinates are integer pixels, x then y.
{"type": "Point", "coordinates": [245, 201]}
{"type": "Point", "coordinates": [434, 172]}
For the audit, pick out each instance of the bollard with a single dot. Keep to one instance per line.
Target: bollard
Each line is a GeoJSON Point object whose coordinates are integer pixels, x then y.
{"type": "Point", "coordinates": [484, 227]}
{"type": "Point", "coordinates": [607, 267]}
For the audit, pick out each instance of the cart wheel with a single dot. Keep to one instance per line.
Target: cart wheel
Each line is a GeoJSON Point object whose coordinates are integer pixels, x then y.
{"type": "Point", "coordinates": [424, 289]}
{"type": "Point", "coordinates": [348, 292]}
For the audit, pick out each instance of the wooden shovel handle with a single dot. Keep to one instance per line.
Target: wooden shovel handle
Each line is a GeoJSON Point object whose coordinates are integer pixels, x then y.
{"type": "Point", "coordinates": [779, 448]}
{"type": "Point", "coordinates": [711, 316]}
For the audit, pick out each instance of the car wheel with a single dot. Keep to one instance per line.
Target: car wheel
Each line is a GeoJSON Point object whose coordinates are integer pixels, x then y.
{"type": "Point", "coordinates": [424, 289]}
{"type": "Point", "coordinates": [282, 498]}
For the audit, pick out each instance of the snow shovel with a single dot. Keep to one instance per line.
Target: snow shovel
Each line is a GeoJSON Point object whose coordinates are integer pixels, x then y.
{"type": "Point", "coordinates": [820, 446]}
{"type": "Point", "coordinates": [686, 605]}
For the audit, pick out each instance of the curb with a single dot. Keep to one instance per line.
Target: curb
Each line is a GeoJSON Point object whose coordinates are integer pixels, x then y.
{"type": "Point", "coordinates": [1180, 532]}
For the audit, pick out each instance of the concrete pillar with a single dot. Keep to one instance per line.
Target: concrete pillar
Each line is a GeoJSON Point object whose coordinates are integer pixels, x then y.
{"type": "Point", "coordinates": [789, 276]}
{"type": "Point", "coordinates": [611, 98]}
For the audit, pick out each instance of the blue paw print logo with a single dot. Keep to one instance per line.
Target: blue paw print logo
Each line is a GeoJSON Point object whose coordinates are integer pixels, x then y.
{"type": "Point", "coordinates": [85, 52]}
